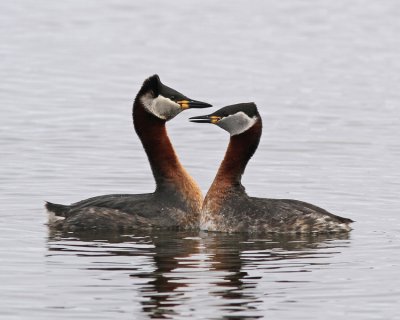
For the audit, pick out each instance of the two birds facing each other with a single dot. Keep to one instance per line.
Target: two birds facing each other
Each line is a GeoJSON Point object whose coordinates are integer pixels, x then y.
{"type": "Point", "coordinates": [177, 202]}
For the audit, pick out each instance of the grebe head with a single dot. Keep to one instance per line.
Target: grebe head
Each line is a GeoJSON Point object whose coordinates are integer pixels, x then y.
{"type": "Point", "coordinates": [235, 119]}
{"type": "Point", "coordinates": [164, 102]}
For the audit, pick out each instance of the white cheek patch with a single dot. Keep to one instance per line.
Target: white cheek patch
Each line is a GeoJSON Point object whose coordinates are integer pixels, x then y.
{"type": "Point", "coordinates": [237, 123]}
{"type": "Point", "coordinates": [161, 107]}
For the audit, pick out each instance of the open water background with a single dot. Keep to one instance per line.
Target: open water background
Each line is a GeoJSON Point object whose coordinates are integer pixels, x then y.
{"type": "Point", "coordinates": [325, 76]}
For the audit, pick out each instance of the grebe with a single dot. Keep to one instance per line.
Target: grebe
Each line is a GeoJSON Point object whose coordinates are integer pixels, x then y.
{"type": "Point", "coordinates": [228, 208]}
{"type": "Point", "coordinates": [177, 200]}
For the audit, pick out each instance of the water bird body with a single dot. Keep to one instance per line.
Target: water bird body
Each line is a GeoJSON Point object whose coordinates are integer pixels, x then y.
{"type": "Point", "coordinates": [177, 200]}
{"type": "Point", "coordinates": [228, 208]}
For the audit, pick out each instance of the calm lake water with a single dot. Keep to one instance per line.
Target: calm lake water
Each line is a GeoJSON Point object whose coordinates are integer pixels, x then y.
{"type": "Point", "coordinates": [325, 76]}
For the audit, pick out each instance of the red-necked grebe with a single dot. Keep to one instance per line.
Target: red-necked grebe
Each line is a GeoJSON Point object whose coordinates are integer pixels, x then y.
{"type": "Point", "coordinates": [177, 200]}
{"type": "Point", "coordinates": [228, 208]}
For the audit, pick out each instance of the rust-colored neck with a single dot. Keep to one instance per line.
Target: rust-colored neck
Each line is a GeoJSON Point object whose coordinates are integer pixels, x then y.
{"type": "Point", "coordinates": [240, 149]}
{"type": "Point", "coordinates": [172, 180]}
{"type": "Point", "coordinates": [160, 152]}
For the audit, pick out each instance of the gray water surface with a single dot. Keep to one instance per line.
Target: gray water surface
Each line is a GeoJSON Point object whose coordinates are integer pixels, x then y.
{"type": "Point", "coordinates": [325, 76]}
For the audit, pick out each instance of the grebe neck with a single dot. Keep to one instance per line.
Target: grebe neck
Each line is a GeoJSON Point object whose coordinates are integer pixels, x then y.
{"type": "Point", "coordinates": [240, 149]}
{"type": "Point", "coordinates": [152, 132]}
{"type": "Point", "coordinates": [173, 182]}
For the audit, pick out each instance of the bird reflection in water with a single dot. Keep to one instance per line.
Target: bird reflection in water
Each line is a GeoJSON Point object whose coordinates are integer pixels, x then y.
{"type": "Point", "coordinates": [189, 273]}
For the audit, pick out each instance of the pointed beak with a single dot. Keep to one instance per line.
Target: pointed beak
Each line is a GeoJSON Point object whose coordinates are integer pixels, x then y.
{"type": "Point", "coordinates": [205, 119]}
{"type": "Point", "coordinates": [188, 104]}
